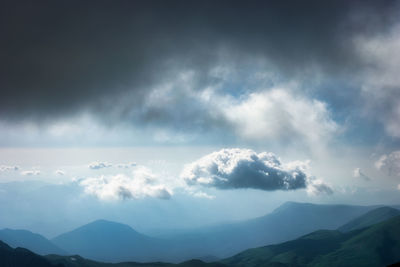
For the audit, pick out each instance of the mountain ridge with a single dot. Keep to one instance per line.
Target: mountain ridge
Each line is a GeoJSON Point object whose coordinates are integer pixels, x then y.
{"type": "Point", "coordinates": [32, 241]}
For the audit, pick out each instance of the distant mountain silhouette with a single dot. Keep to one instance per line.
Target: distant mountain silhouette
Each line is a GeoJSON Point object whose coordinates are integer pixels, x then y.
{"type": "Point", "coordinates": [78, 261]}
{"type": "Point", "coordinates": [377, 245]}
{"type": "Point", "coordinates": [21, 257]}
{"type": "Point", "coordinates": [372, 217]}
{"type": "Point", "coordinates": [26, 239]}
{"type": "Point", "coordinates": [109, 241]}
{"type": "Point", "coordinates": [114, 242]}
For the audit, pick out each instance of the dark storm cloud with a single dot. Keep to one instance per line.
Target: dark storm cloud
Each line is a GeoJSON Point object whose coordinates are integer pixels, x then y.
{"type": "Point", "coordinates": [63, 57]}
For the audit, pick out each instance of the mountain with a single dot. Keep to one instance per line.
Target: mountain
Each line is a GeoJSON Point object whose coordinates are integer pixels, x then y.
{"type": "Point", "coordinates": [377, 245]}
{"type": "Point", "coordinates": [34, 242]}
{"type": "Point", "coordinates": [77, 261]}
{"type": "Point", "coordinates": [372, 217]}
{"type": "Point", "coordinates": [114, 242]}
{"type": "Point", "coordinates": [21, 257]}
{"type": "Point", "coordinates": [111, 242]}
{"type": "Point", "coordinates": [228, 239]}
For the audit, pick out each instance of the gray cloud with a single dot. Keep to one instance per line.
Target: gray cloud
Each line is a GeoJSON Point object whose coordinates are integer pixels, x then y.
{"type": "Point", "coordinates": [244, 168]}
{"type": "Point", "coordinates": [60, 58]}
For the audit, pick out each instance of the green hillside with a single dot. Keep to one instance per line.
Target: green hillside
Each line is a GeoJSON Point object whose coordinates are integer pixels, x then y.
{"type": "Point", "coordinates": [378, 245]}
{"type": "Point", "coordinates": [372, 217]}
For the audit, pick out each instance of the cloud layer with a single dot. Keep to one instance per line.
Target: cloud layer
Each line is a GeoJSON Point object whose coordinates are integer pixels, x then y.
{"type": "Point", "coordinates": [243, 168]}
{"type": "Point", "coordinates": [94, 55]}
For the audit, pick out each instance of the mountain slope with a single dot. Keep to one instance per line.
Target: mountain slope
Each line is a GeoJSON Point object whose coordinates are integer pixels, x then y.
{"type": "Point", "coordinates": [77, 261]}
{"type": "Point", "coordinates": [378, 245]}
{"type": "Point", "coordinates": [113, 242]}
{"type": "Point", "coordinates": [372, 217]}
{"type": "Point", "coordinates": [226, 240]}
{"type": "Point", "coordinates": [21, 257]}
{"type": "Point", "coordinates": [109, 241]}
{"type": "Point", "coordinates": [34, 242]}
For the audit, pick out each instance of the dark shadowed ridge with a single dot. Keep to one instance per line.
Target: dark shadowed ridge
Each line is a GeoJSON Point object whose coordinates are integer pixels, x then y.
{"type": "Point", "coordinates": [34, 242]}
{"type": "Point", "coordinates": [21, 257]}
{"type": "Point", "coordinates": [372, 217]}
{"type": "Point", "coordinates": [377, 245]}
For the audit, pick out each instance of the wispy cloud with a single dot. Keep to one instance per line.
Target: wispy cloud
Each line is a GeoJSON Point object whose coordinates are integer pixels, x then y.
{"type": "Point", "coordinates": [126, 165]}
{"type": "Point", "coordinates": [8, 168]}
{"type": "Point", "coordinates": [60, 172]}
{"type": "Point", "coordinates": [30, 172]}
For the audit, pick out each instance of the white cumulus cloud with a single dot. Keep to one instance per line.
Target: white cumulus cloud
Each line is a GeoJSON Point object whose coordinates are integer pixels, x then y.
{"type": "Point", "coordinates": [143, 183]}
{"type": "Point", "coordinates": [243, 168]}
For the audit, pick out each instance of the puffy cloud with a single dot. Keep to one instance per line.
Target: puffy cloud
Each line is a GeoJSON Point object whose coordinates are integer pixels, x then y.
{"type": "Point", "coordinates": [243, 168]}
{"type": "Point", "coordinates": [142, 183]}
{"type": "Point", "coordinates": [201, 194]}
{"type": "Point", "coordinates": [99, 165]}
{"type": "Point", "coordinates": [389, 163]}
{"type": "Point", "coordinates": [279, 115]}
{"type": "Point", "coordinates": [8, 168]}
{"type": "Point", "coordinates": [31, 172]}
{"type": "Point", "coordinates": [357, 173]}
{"type": "Point", "coordinates": [60, 172]}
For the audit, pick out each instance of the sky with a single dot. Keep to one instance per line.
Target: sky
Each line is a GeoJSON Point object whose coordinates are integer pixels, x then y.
{"type": "Point", "coordinates": [179, 114]}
